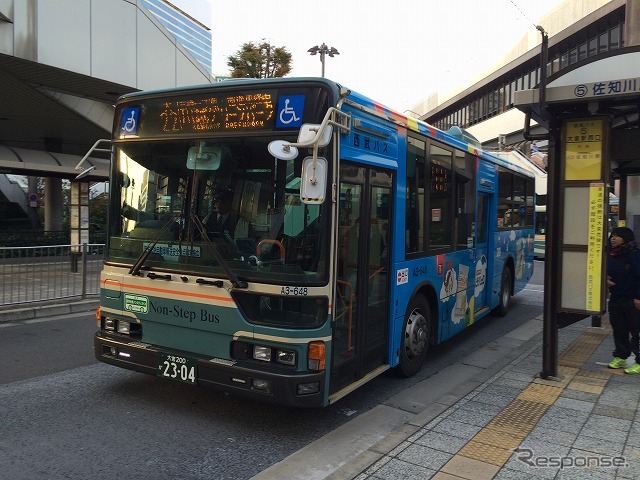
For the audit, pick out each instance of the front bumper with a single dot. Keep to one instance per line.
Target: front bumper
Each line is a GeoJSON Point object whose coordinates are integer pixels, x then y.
{"type": "Point", "coordinates": [228, 376]}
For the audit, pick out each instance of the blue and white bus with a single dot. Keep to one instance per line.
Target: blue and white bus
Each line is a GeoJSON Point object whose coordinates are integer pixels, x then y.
{"type": "Point", "coordinates": [354, 238]}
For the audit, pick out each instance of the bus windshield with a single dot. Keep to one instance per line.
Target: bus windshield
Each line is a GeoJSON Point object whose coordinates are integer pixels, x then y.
{"type": "Point", "coordinates": [206, 207]}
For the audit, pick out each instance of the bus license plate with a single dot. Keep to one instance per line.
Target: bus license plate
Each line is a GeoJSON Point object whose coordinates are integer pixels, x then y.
{"type": "Point", "coordinates": [178, 368]}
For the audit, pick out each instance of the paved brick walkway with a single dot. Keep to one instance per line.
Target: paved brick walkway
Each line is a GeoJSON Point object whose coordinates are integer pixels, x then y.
{"type": "Point", "coordinates": [585, 424]}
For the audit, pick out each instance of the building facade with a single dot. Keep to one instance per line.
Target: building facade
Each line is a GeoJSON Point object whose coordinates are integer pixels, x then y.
{"type": "Point", "coordinates": [192, 34]}
{"type": "Point", "coordinates": [63, 65]}
{"type": "Point", "coordinates": [578, 32]}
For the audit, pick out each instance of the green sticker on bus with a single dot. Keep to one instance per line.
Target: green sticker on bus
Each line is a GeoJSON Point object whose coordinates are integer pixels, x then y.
{"type": "Point", "coordinates": [136, 303]}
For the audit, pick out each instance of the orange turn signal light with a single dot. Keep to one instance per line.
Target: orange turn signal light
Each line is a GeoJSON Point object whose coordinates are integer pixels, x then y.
{"type": "Point", "coordinates": [317, 356]}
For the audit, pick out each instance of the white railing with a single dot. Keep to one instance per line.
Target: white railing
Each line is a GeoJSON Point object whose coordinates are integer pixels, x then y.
{"type": "Point", "coordinates": [37, 274]}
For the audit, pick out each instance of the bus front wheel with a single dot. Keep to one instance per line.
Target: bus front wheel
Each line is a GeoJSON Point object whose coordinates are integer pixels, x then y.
{"type": "Point", "coordinates": [416, 334]}
{"type": "Point", "coordinates": [505, 293]}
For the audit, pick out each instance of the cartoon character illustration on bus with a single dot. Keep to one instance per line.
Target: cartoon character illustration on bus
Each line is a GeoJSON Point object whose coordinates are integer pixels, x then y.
{"type": "Point", "coordinates": [449, 284]}
{"type": "Point", "coordinates": [481, 276]}
{"type": "Point", "coordinates": [461, 304]}
{"type": "Point", "coordinates": [520, 264]}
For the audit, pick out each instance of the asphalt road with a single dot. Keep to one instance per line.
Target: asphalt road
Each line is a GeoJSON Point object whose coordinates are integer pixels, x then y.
{"type": "Point", "coordinates": [47, 345]}
{"type": "Point", "coordinates": [64, 415]}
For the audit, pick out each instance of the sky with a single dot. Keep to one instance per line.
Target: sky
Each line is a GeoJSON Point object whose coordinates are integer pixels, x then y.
{"type": "Point", "coordinates": [396, 52]}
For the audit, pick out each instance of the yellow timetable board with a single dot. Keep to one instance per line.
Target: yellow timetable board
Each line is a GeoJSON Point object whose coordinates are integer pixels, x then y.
{"type": "Point", "coordinates": [583, 149]}
{"type": "Point", "coordinates": [595, 248]}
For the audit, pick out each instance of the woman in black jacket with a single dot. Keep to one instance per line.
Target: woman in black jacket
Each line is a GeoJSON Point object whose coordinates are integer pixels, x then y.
{"type": "Point", "coordinates": [623, 280]}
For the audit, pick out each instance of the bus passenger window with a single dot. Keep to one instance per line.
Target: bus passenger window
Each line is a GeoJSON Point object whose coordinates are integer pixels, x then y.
{"type": "Point", "coordinates": [505, 198]}
{"type": "Point", "coordinates": [440, 198]}
{"type": "Point", "coordinates": [465, 200]}
{"type": "Point", "coordinates": [415, 199]}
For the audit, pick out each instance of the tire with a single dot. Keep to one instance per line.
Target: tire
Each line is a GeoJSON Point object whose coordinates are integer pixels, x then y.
{"type": "Point", "coordinates": [416, 334]}
{"type": "Point", "coordinates": [505, 293]}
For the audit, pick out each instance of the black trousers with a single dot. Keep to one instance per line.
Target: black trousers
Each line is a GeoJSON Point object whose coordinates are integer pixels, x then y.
{"type": "Point", "coordinates": [625, 322]}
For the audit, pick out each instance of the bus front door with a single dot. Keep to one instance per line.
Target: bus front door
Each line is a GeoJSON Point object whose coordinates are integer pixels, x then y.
{"type": "Point", "coordinates": [360, 332]}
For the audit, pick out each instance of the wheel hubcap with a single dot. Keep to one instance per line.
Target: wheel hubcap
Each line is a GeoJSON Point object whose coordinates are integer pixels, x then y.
{"type": "Point", "coordinates": [415, 337]}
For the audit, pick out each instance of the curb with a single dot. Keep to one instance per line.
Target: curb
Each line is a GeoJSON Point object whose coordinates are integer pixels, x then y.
{"type": "Point", "coordinates": [54, 309]}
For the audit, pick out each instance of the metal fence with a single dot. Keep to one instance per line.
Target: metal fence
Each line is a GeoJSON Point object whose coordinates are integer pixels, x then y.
{"type": "Point", "coordinates": [36, 274]}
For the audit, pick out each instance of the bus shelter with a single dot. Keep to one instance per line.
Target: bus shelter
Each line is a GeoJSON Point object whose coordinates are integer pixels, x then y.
{"type": "Point", "coordinates": [591, 113]}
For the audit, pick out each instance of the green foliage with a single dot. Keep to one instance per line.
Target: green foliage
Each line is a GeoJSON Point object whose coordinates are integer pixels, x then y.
{"type": "Point", "coordinates": [260, 60]}
{"type": "Point", "coordinates": [98, 207]}
{"type": "Point", "coordinates": [32, 239]}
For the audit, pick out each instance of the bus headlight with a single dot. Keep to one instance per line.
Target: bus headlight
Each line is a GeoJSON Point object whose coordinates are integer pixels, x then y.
{"type": "Point", "coordinates": [262, 353]}
{"type": "Point", "coordinates": [124, 327]}
{"type": "Point", "coordinates": [286, 357]}
{"type": "Point", "coordinates": [268, 354]}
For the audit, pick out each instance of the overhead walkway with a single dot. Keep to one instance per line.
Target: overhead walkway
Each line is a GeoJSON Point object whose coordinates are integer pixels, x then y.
{"type": "Point", "coordinates": [41, 163]}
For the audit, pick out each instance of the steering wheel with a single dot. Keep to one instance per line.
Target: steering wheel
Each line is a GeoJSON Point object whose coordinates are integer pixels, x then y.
{"type": "Point", "coordinates": [271, 242]}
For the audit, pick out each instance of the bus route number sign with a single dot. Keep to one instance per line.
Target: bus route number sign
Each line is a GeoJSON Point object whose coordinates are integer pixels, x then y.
{"type": "Point", "coordinates": [178, 368]}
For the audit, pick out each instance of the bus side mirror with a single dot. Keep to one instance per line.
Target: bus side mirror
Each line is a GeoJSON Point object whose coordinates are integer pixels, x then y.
{"type": "Point", "coordinates": [313, 181]}
{"type": "Point", "coordinates": [309, 131]}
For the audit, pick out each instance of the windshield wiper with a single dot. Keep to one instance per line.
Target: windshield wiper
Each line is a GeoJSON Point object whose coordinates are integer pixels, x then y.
{"type": "Point", "coordinates": [235, 282]}
{"type": "Point", "coordinates": [135, 269]}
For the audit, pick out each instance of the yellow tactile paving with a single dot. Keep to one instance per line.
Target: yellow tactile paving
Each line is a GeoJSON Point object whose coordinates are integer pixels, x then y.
{"type": "Point", "coordinates": [536, 392]}
{"type": "Point", "coordinates": [560, 381]}
{"type": "Point", "coordinates": [485, 453]}
{"type": "Point", "coordinates": [580, 350]}
{"type": "Point", "coordinates": [585, 387]}
{"type": "Point", "coordinates": [591, 374]}
{"type": "Point", "coordinates": [567, 371]}
{"type": "Point", "coordinates": [572, 362]}
{"type": "Point", "coordinates": [577, 353]}
{"type": "Point", "coordinates": [598, 382]}
{"type": "Point", "coordinates": [498, 438]}
{"type": "Point", "coordinates": [521, 412]}
{"type": "Point", "coordinates": [512, 429]}
{"type": "Point", "coordinates": [495, 443]}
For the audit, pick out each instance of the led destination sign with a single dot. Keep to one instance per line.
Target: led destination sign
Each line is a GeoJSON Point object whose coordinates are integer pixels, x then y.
{"type": "Point", "coordinates": [236, 112]}
{"type": "Point", "coordinates": [212, 111]}
{"type": "Point", "coordinates": [202, 113]}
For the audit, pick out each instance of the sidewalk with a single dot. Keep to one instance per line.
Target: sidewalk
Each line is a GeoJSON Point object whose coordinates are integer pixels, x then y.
{"type": "Point", "coordinates": [585, 424]}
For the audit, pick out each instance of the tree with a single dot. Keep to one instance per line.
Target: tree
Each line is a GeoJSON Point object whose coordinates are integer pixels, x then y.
{"type": "Point", "coordinates": [260, 60]}
{"type": "Point", "coordinates": [98, 206]}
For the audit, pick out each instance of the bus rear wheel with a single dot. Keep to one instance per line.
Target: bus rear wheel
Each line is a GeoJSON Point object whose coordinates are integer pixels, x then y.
{"type": "Point", "coordinates": [505, 293]}
{"type": "Point", "coordinates": [416, 334]}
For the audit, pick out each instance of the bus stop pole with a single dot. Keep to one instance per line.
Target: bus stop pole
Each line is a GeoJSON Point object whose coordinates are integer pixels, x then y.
{"type": "Point", "coordinates": [551, 286]}
{"type": "Point", "coordinates": [551, 264]}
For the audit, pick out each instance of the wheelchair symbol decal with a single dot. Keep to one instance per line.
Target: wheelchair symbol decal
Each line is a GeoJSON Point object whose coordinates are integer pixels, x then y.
{"type": "Point", "coordinates": [288, 113]}
{"type": "Point", "coordinates": [290, 110]}
{"type": "Point", "coordinates": [129, 121]}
